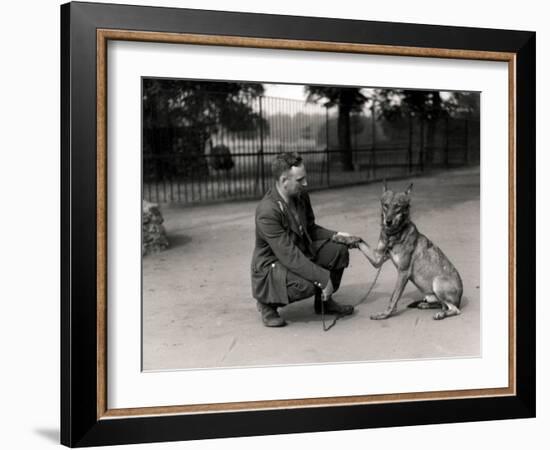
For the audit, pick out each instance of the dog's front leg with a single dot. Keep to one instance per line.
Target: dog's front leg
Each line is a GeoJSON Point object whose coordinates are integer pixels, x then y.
{"type": "Point", "coordinates": [377, 256]}
{"type": "Point", "coordinates": [402, 278]}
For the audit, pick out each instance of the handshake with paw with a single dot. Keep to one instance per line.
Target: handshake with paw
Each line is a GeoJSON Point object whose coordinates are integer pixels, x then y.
{"type": "Point", "coordinates": [346, 239]}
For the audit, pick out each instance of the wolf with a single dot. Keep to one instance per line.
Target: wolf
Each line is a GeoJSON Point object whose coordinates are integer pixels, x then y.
{"type": "Point", "coordinates": [415, 257]}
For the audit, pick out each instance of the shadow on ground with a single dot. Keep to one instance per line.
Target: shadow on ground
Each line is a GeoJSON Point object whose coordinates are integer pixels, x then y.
{"type": "Point", "coordinates": [178, 240]}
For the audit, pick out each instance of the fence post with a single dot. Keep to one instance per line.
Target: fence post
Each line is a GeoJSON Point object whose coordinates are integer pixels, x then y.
{"type": "Point", "coordinates": [410, 150]}
{"type": "Point", "coordinates": [466, 139]}
{"type": "Point", "coordinates": [421, 155]}
{"type": "Point", "coordinates": [373, 133]}
{"type": "Point", "coordinates": [446, 142]}
{"type": "Point", "coordinates": [262, 165]}
{"type": "Point", "coordinates": [327, 147]}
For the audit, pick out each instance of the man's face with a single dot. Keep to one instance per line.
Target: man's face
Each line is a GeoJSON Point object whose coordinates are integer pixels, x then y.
{"type": "Point", "coordinates": [295, 180]}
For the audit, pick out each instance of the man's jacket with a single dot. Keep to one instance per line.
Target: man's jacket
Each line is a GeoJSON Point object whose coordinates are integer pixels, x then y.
{"type": "Point", "coordinates": [287, 238]}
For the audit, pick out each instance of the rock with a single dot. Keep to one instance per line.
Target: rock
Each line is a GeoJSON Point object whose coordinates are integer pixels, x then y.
{"type": "Point", "coordinates": [153, 233]}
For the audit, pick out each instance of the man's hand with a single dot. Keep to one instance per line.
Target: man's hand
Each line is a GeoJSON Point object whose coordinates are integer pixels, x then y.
{"type": "Point", "coordinates": [343, 233]}
{"type": "Point", "coordinates": [327, 291]}
{"type": "Point", "coordinates": [347, 239]}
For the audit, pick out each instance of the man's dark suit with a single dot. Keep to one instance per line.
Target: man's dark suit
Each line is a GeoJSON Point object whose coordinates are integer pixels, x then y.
{"type": "Point", "coordinates": [293, 256]}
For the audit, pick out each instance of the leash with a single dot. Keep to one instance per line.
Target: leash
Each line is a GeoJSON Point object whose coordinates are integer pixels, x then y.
{"type": "Point", "coordinates": [338, 316]}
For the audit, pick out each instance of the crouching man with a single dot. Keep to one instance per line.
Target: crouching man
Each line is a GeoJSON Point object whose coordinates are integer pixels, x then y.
{"type": "Point", "coordinates": [294, 258]}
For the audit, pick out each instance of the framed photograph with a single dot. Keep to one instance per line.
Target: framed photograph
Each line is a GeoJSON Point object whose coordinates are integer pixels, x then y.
{"type": "Point", "coordinates": [278, 224]}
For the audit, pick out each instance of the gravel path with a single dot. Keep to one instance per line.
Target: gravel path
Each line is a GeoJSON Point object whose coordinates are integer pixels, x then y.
{"type": "Point", "coordinates": [197, 306]}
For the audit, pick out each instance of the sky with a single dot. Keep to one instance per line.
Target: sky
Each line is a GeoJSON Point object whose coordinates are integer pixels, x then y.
{"type": "Point", "coordinates": [294, 91]}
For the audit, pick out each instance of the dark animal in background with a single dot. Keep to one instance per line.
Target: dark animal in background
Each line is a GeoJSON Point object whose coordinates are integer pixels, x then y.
{"type": "Point", "coordinates": [220, 158]}
{"type": "Point", "coordinates": [415, 257]}
{"type": "Point", "coordinates": [221, 162]}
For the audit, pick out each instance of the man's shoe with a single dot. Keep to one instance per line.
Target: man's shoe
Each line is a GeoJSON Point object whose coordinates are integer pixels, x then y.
{"type": "Point", "coordinates": [270, 316]}
{"type": "Point", "coordinates": [331, 307]}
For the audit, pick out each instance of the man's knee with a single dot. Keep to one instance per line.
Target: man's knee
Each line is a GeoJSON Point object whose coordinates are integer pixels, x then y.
{"type": "Point", "coordinates": [299, 288]}
{"type": "Point", "coordinates": [333, 256]}
{"type": "Point", "coordinates": [343, 256]}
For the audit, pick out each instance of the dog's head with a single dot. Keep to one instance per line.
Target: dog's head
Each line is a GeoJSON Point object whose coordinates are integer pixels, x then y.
{"type": "Point", "coordinates": [394, 208]}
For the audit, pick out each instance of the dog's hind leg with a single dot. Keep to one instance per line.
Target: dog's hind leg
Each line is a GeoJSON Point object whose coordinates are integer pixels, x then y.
{"type": "Point", "coordinates": [449, 310]}
{"type": "Point", "coordinates": [430, 301]}
{"type": "Point", "coordinates": [448, 295]}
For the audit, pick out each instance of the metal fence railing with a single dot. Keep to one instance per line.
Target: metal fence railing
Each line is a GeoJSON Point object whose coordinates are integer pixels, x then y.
{"type": "Point", "coordinates": [233, 165]}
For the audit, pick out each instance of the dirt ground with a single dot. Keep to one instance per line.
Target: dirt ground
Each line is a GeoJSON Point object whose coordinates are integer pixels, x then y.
{"type": "Point", "coordinates": [198, 311]}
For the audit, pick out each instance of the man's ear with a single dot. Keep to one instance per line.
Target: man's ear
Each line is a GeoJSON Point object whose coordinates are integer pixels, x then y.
{"type": "Point", "coordinates": [409, 189]}
{"type": "Point", "coordinates": [283, 179]}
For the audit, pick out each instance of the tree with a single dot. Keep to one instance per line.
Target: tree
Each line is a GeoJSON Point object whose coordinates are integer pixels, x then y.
{"type": "Point", "coordinates": [466, 105]}
{"type": "Point", "coordinates": [180, 116]}
{"type": "Point", "coordinates": [427, 106]}
{"type": "Point", "coordinates": [348, 100]}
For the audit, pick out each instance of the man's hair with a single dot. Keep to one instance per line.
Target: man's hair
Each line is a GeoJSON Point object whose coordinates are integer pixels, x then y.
{"type": "Point", "coordinates": [283, 162]}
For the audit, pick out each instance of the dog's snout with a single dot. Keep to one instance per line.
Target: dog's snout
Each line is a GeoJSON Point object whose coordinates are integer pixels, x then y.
{"type": "Point", "coordinates": [388, 222]}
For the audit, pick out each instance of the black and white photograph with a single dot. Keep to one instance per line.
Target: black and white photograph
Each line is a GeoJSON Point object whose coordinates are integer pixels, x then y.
{"type": "Point", "coordinates": [292, 224]}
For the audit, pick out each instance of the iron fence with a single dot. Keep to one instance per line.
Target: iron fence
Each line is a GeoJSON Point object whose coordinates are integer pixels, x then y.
{"type": "Point", "coordinates": [226, 165]}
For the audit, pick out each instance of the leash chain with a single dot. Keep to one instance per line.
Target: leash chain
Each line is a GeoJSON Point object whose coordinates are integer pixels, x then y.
{"type": "Point", "coordinates": [338, 316]}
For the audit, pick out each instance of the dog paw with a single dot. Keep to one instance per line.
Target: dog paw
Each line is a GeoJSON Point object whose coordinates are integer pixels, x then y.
{"type": "Point", "coordinates": [350, 241]}
{"type": "Point", "coordinates": [440, 315]}
{"type": "Point", "coordinates": [380, 316]}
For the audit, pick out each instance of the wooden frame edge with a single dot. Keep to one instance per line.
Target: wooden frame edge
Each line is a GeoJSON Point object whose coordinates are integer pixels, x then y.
{"type": "Point", "coordinates": [103, 35]}
{"type": "Point", "coordinates": [304, 403]}
{"type": "Point", "coordinates": [290, 44]}
{"type": "Point", "coordinates": [512, 199]}
{"type": "Point", "coordinates": [101, 224]}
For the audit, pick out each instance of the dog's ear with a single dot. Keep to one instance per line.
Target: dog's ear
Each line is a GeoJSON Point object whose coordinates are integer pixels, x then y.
{"type": "Point", "coordinates": [409, 189]}
{"type": "Point", "coordinates": [385, 186]}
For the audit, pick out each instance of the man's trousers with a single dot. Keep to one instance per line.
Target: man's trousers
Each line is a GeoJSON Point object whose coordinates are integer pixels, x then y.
{"type": "Point", "coordinates": [333, 257]}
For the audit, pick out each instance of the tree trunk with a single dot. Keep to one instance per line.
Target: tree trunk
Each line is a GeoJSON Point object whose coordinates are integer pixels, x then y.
{"type": "Point", "coordinates": [344, 137]}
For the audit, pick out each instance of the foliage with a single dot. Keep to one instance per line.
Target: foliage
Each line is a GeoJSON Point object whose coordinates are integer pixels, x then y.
{"type": "Point", "coordinates": [352, 99]}
{"type": "Point", "coordinates": [427, 105]}
{"type": "Point", "coordinates": [180, 116]}
{"type": "Point", "coordinates": [202, 104]}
